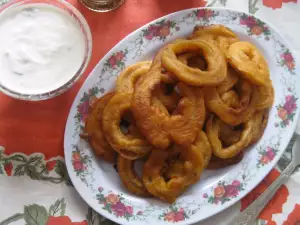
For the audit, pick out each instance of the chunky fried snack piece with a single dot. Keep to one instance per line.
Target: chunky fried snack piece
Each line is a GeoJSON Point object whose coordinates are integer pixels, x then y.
{"type": "Point", "coordinates": [167, 95]}
{"type": "Point", "coordinates": [127, 79]}
{"type": "Point", "coordinates": [203, 144]}
{"type": "Point", "coordinates": [175, 168]}
{"type": "Point", "coordinates": [228, 134]}
{"type": "Point", "coordinates": [229, 82]}
{"type": "Point", "coordinates": [264, 96]}
{"type": "Point", "coordinates": [231, 112]}
{"type": "Point", "coordinates": [260, 120]}
{"type": "Point", "coordinates": [193, 59]}
{"type": "Point", "coordinates": [129, 177]}
{"type": "Point", "coordinates": [193, 165]}
{"type": "Point", "coordinates": [218, 163]}
{"type": "Point", "coordinates": [159, 127]}
{"type": "Point", "coordinates": [220, 35]}
{"type": "Point", "coordinates": [214, 58]}
{"type": "Point", "coordinates": [129, 147]}
{"type": "Point", "coordinates": [212, 131]}
{"type": "Point", "coordinates": [93, 130]}
{"type": "Point", "coordinates": [249, 62]}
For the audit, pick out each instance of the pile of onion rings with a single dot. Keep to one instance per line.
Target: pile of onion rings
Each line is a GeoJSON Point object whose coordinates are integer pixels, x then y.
{"type": "Point", "coordinates": [198, 105]}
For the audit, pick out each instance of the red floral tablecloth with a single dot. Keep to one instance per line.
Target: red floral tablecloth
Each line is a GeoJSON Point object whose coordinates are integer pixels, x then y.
{"type": "Point", "coordinates": [35, 188]}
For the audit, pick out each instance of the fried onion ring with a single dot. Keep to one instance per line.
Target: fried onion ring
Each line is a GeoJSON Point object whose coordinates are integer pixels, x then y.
{"type": "Point", "coordinates": [249, 62]}
{"type": "Point", "coordinates": [167, 95]}
{"type": "Point", "coordinates": [220, 35]}
{"type": "Point", "coordinates": [94, 133]}
{"type": "Point", "coordinates": [216, 63]}
{"type": "Point", "coordinates": [155, 183]}
{"type": "Point", "coordinates": [127, 79]}
{"type": "Point", "coordinates": [260, 119]}
{"type": "Point", "coordinates": [176, 168]}
{"type": "Point", "coordinates": [129, 177]}
{"type": "Point", "coordinates": [230, 81]}
{"type": "Point", "coordinates": [212, 131]}
{"type": "Point", "coordinates": [218, 163]}
{"type": "Point", "coordinates": [159, 128]}
{"type": "Point", "coordinates": [228, 134]}
{"type": "Point", "coordinates": [193, 60]}
{"type": "Point", "coordinates": [264, 96]}
{"type": "Point", "coordinates": [129, 147]}
{"type": "Point", "coordinates": [203, 144]}
{"type": "Point", "coordinates": [230, 115]}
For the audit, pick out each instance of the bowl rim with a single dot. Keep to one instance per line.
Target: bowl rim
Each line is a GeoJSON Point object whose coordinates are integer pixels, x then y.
{"type": "Point", "coordinates": [88, 51]}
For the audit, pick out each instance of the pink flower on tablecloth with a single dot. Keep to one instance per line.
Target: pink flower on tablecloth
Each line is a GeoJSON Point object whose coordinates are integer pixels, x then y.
{"type": "Point", "coordinates": [205, 195]}
{"type": "Point", "coordinates": [112, 199]}
{"type": "Point", "coordinates": [219, 191]}
{"type": "Point", "coordinates": [231, 191]}
{"type": "Point", "coordinates": [270, 153]}
{"type": "Point", "coordinates": [200, 13]}
{"type": "Point", "coordinates": [100, 189]}
{"type": "Point", "coordinates": [83, 110]}
{"type": "Point", "coordinates": [119, 56]}
{"type": "Point", "coordinates": [112, 61]}
{"type": "Point", "coordinates": [282, 113]}
{"type": "Point", "coordinates": [119, 209]}
{"type": "Point", "coordinates": [161, 30]}
{"type": "Point", "coordinates": [287, 60]}
{"type": "Point", "coordinates": [77, 162]}
{"type": "Point", "coordinates": [257, 30]}
{"type": "Point", "coordinates": [290, 105]}
{"type": "Point", "coordinates": [287, 57]}
{"type": "Point", "coordinates": [170, 216]}
{"type": "Point", "coordinates": [236, 183]}
{"type": "Point", "coordinates": [164, 31]}
{"type": "Point", "coordinates": [76, 156]}
{"type": "Point", "coordinates": [129, 210]}
{"type": "Point", "coordinates": [204, 13]}
{"type": "Point", "coordinates": [78, 166]}
{"type": "Point", "coordinates": [249, 21]}
{"type": "Point", "coordinates": [290, 65]}
{"type": "Point", "coordinates": [289, 98]}
{"type": "Point", "coordinates": [264, 159]}
{"type": "Point", "coordinates": [179, 216]}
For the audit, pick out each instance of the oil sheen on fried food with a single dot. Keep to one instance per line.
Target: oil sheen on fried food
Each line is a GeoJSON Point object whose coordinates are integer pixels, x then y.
{"type": "Point", "coordinates": [41, 48]}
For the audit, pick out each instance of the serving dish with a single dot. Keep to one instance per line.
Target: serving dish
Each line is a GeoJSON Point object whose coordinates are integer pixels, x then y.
{"type": "Point", "coordinates": [98, 183]}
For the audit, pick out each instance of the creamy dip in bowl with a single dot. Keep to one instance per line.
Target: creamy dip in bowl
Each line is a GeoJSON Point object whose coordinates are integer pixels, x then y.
{"type": "Point", "coordinates": [45, 46]}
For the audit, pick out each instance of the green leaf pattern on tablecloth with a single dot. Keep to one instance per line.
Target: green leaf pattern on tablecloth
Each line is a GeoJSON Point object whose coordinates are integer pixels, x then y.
{"type": "Point", "coordinates": [253, 6]}
{"type": "Point", "coordinates": [35, 215]}
{"type": "Point", "coordinates": [58, 208]}
{"type": "Point", "coordinates": [35, 166]}
{"type": "Point", "coordinates": [2, 2]}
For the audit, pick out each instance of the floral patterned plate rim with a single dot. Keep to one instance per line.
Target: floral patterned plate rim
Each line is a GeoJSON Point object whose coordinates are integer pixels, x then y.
{"type": "Point", "coordinates": [98, 183]}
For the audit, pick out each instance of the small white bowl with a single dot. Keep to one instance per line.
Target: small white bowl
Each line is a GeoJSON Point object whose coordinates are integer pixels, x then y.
{"type": "Point", "coordinates": [78, 17]}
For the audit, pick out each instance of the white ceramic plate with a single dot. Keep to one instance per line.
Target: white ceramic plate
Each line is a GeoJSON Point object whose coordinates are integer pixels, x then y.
{"type": "Point", "coordinates": [99, 184]}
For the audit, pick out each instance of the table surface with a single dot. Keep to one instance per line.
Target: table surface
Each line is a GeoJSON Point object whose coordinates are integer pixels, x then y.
{"type": "Point", "coordinates": [33, 176]}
